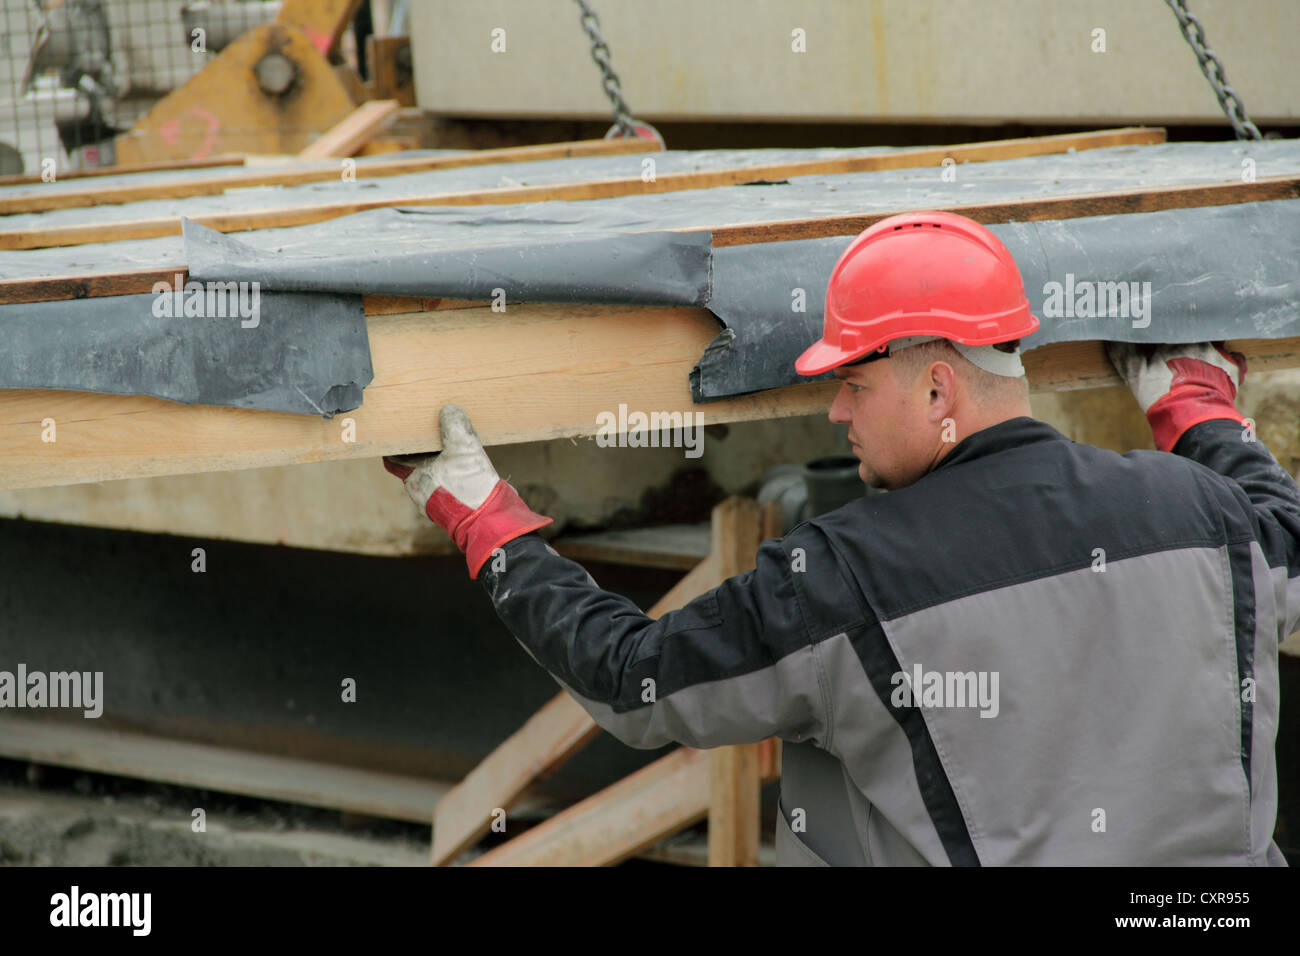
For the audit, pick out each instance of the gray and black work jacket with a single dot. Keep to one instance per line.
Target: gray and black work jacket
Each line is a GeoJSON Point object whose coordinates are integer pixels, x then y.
{"type": "Point", "coordinates": [1039, 653]}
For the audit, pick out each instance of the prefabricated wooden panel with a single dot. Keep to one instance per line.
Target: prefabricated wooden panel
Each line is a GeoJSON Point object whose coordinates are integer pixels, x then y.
{"type": "Point", "coordinates": [532, 373]}
{"type": "Point", "coordinates": [853, 61]}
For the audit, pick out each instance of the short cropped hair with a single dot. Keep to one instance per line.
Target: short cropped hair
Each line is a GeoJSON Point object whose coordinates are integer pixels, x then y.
{"type": "Point", "coordinates": [985, 387]}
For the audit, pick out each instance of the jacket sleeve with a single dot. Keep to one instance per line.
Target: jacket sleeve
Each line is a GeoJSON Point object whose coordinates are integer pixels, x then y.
{"type": "Point", "coordinates": [733, 666]}
{"type": "Point", "coordinates": [1270, 497]}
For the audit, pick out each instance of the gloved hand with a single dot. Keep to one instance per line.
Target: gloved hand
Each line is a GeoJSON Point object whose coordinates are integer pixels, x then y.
{"type": "Point", "coordinates": [1179, 386]}
{"type": "Point", "coordinates": [461, 492]}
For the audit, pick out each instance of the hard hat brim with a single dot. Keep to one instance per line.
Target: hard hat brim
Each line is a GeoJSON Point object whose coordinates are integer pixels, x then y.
{"type": "Point", "coordinates": [821, 357]}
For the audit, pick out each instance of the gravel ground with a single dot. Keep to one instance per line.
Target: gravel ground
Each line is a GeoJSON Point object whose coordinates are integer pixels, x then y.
{"type": "Point", "coordinates": [52, 816]}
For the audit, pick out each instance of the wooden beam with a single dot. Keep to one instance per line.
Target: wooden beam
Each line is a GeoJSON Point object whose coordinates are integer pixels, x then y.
{"type": "Point", "coordinates": [619, 821]}
{"type": "Point", "coordinates": [36, 179]}
{"type": "Point", "coordinates": [1066, 366]}
{"type": "Point", "coordinates": [734, 822]}
{"type": "Point", "coordinates": [351, 133]}
{"type": "Point", "coordinates": [535, 751]}
{"type": "Point", "coordinates": [290, 173]}
{"type": "Point", "coordinates": [299, 215]}
{"type": "Point", "coordinates": [147, 757]}
{"type": "Point", "coordinates": [138, 281]}
{"type": "Point", "coordinates": [677, 547]}
{"type": "Point", "coordinates": [734, 771]}
{"type": "Point", "coordinates": [1077, 206]}
{"type": "Point", "coordinates": [585, 359]}
{"type": "Point", "coordinates": [562, 727]}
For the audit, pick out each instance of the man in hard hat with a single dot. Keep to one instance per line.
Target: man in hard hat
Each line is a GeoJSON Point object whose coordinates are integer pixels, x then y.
{"type": "Point", "coordinates": [1030, 651]}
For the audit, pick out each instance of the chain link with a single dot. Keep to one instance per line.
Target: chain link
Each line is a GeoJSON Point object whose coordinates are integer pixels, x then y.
{"type": "Point", "coordinates": [609, 81]}
{"type": "Point", "coordinates": [1229, 101]}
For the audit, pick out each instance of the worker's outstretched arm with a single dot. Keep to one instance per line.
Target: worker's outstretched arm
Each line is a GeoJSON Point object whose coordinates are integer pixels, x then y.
{"type": "Point", "coordinates": [1188, 393]}
{"type": "Point", "coordinates": [736, 665]}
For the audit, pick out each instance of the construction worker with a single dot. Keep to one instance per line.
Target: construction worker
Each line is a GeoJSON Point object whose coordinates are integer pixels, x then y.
{"type": "Point", "coordinates": [1030, 651]}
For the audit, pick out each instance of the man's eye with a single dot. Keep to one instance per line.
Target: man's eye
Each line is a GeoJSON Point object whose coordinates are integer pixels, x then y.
{"type": "Point", "coordinates": [856, 388]}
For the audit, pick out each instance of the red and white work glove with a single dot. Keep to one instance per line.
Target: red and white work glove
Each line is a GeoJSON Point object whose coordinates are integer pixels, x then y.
{"type": "Point", "coordinates": [461, 492]}
{"type": "Point", "coordinates": [1179, 386]}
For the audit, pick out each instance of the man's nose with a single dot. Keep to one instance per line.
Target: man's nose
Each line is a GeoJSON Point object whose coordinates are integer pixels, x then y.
{"type": "Point", "coordinates": [839, 414]}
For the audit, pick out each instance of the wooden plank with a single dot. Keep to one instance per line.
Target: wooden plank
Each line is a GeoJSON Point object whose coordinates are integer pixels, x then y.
{"type": "Point", "coordinates": [535, 751]}
{"type": "Point", "coordinates": [1066, 366]}
{"type": "Point", "coordinates": [290, 173]}
{"type": "Point", "coordinates": [541, 746]}
{"type": "Point", "coordinates": [299, 215]}
{"type": "Point", "coordinates": [619, 821]}
{"type": "Point", "coordinates": [585, 359]}
{"type": "Point", "coordinates": [206, 767]}
{"type": "Point", "coordinates": [138, 281]}
{"type": "Point", "coordinates": [1077, 206]}
{"type": "Point", "coordinates": [677, 547]}
{"type": "Point", "coordinates": [734, 806]}
{"type": "Point", "coordinates": [34, 179]}
{"type": "Point", "coordinates": [734, 771]}
{"type": "Point", "coordinates": [346, 137]}
{"type": "Point", "coordinates": [769, 751]}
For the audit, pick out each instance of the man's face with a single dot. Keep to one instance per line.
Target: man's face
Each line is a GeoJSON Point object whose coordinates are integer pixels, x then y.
{"type": "Point", "coordinates": [888, 424]}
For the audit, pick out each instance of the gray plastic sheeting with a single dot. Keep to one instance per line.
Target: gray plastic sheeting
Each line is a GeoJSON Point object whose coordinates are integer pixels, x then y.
{"type": "Point", "coordinates": [295, 353]}
{"type": "Point", "coordinates": [651, 268]}
{"type": "Point", "coordinates": [1188, 275]}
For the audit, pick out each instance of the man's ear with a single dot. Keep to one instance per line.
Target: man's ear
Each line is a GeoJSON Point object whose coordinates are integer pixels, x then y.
{"type": "Point", "coordinates": [942, 391]}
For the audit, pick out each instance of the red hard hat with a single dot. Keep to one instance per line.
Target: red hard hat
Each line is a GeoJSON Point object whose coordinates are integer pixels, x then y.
{"type": "Point", "coordinates": [919, 274]}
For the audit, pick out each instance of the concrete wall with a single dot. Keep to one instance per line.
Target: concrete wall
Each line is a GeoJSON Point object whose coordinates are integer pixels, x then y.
{"type": "Point", "coordinates": [991, 61]}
